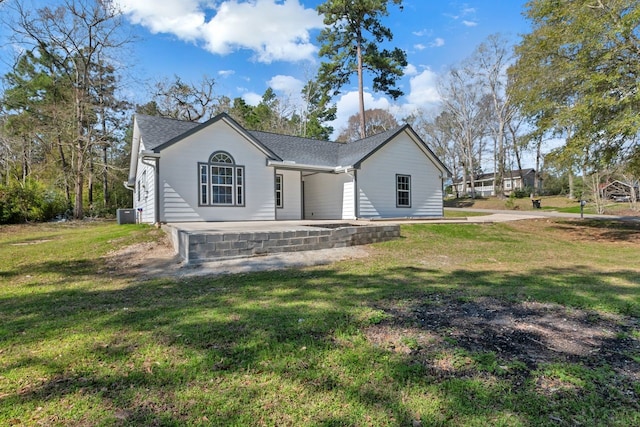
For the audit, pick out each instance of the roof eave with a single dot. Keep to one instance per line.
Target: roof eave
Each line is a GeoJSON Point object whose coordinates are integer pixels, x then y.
{"type": "Point", "coordinates": [305, 167]}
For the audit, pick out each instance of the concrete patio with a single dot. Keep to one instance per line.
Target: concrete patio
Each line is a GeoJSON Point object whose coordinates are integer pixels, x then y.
{"type": "Point", "coordinates": [198, 242]}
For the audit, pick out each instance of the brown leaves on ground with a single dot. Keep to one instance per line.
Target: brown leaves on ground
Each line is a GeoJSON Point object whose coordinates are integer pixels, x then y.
{"type": "Point", "coordinates": [599, 230]}
{"type": "Point", "coordinates": [445, 333]}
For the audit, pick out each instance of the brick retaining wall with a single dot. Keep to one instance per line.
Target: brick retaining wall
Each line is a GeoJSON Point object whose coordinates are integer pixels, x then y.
{"type": "Point", "coordinates": [202, 246]}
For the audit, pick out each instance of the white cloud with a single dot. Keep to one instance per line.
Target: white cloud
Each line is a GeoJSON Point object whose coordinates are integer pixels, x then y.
{"type": "Point", "coordinates": [286, 84]}
{"type": "Point", "coordinates": [469, 23]}
{"type": "Point", "coordinates": [274, 30]}
{"type": "Point", "coordinates": [289, 89]}
{"type": "Point", "coordinates": [422, 33]}
{"type": "Point", "coordinates": [226, 73]}
{"type": "Point", "coordinates": [419, 46]}
{"type": "Point", "coordinates": [252, 98]}
{"type": "Point", "coordinates": [423, 89]}
{"type": "Point", "coordinates": [182, 18]}
{"type": "Point", "coordinates": [410, 70]}
{"type": "Point", "coordinates": [438, 42]}
{"type": "Point", "coordinates": [347, 106]}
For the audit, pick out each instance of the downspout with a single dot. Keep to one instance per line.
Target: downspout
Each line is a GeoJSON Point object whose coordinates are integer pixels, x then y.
{"type": "Point", "coordinates": [356, 194]}
{"type": "Point", "coordinates": [156, 176]}
{"type": "Point", "coordinates": [444, 193]}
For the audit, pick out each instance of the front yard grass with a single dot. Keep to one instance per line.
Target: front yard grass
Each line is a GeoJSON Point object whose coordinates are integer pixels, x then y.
{"type": "Point", "coordinates": [410, 335]}
{"type": "Point", "coordinates": [551, 203]}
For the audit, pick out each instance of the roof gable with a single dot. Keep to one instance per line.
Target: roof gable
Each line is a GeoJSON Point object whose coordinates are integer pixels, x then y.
{"type": "Point", "coordinates": [355, 152]}
{"type": "Point", "coordinates": [158, 133]}
{"type": "Point", "coordinates": [376, 142]}
{"type": "Point", "coordinates": [161, 132]}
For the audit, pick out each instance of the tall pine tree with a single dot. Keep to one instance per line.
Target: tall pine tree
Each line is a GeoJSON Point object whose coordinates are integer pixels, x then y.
{"type": "Point", "coordinates": [351, 44]}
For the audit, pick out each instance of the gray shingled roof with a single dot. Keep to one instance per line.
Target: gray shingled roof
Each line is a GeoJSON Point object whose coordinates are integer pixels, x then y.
{"type": "Point", "coordinates": [322, 153]}
{"type": "Point", "coordinates": [156, 131]}
{"type": "Point", "coordinates": [303, 151]}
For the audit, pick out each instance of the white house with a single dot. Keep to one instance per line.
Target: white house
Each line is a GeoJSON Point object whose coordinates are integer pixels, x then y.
{"type": "Point", "coordinates": [218, 171]}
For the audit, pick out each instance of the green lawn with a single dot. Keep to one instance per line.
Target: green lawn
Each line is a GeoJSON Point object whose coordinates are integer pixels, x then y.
{"type": "Point", "coordinates": [551, 203]}
{"type": "Point", "coordinates": [84, 344]}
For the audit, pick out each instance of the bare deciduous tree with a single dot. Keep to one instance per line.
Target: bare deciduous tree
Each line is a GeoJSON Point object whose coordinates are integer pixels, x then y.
{"type": "Point", "coordinates": [465, 104]}
{"type": "Point", "coordinates": [76, 36]}
{"type": "Point", "coordinates": [376, 121]}
{"type": "Point", "coordinates": [186, 101]}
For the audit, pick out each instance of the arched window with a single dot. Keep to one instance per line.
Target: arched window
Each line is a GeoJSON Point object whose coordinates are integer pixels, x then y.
{"type": "Point", "coordinates": [221, 157]}
{"type": "Point", "coordinates": [220, 181]}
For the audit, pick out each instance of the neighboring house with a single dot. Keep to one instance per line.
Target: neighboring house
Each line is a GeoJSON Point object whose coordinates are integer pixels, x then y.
{"type": "Point", "coordinates": [218, 171]}
{"type": "Point", "coordinates": [513, 180]}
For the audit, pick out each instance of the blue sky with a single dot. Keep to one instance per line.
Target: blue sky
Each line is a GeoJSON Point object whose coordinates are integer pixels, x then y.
{"type": "Point", "coordinates": [250, 45]}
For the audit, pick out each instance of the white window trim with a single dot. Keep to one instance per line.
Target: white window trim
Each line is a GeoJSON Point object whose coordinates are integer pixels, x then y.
{"type": "Point", "coordinates": [206, 182]}
{"type": "Point", "coordinates": [403, 191]}
{"type": "Point", "coordinates": [279, 191]}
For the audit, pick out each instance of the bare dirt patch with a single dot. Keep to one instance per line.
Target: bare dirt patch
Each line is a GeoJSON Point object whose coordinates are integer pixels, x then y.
{"type": "Point", "coordinates": [158, 259]}
{"type": "Point", "coordinates": [600, 230]}
{"type": "Point", "coordinates": [521, 335]}
{"type": "Point", "coordinates": [145, 259]}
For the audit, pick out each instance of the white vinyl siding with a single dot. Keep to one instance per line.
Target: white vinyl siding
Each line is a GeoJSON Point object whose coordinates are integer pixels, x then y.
{"type": "Point", "coordinates": [144, 195]}
{"type": "Point", "coordinates": [329, 196]}
{"type": "Point", "coordinates": [291, 195]}
{"type": "Point", "coordinates": [180, 178]}
{"type": "Point", "coordinates": [377, 181]}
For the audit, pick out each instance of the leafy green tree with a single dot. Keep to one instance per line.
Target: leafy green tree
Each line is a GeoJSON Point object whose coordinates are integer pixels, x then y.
{"type": "Point", "coordinates": [351, 44]}
{"type": "Point", "coordinates": [35, 104]}
{"type": "Point", "coordinates": [578, 70]}
{"type": "Point", "coordinates": [77, 36]}
{"type": "Point", "coordinates": [111, 119]}
{"type": "Point", "coordinates": [317, 110]}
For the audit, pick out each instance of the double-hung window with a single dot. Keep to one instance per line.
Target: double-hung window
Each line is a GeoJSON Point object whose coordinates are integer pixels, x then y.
{"type": "Point", "coordinates": [403, 191]}
{"type": "Point", "coordinates": [279, 200]}
{"type": "Point", "coordinates": [220, 181]}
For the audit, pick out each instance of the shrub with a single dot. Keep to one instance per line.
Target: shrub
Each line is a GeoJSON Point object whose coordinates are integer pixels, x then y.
{"type": "Point", "coordinates": [521, 193]}
{"type": "Point", "coordinates": [29, 201]}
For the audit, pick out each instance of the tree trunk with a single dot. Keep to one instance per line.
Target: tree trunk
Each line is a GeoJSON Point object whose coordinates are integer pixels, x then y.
{"type": "Point", "coordinates": [105, 177]}
{"type": "Point", "coordinates": [25, 159]}
{"type": "Point", "coordinates": [500, 172]}
{"type": "Point", "coordinates": [90, 184]}
{"type": "Point", "coordinates": [495, 166]}
{"type": "Point", "coordinates": [78, 208]}
{"type": "Point", "coordinates": [536, 176]}
{"type": "Point", "coordinates": [65, 171]}
{"type": "Point", "coordinates": [363, 131]}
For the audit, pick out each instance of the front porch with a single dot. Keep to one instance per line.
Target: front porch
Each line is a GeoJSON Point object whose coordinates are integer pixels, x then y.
{"type": "Point", "coordinates": [199, 242]}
